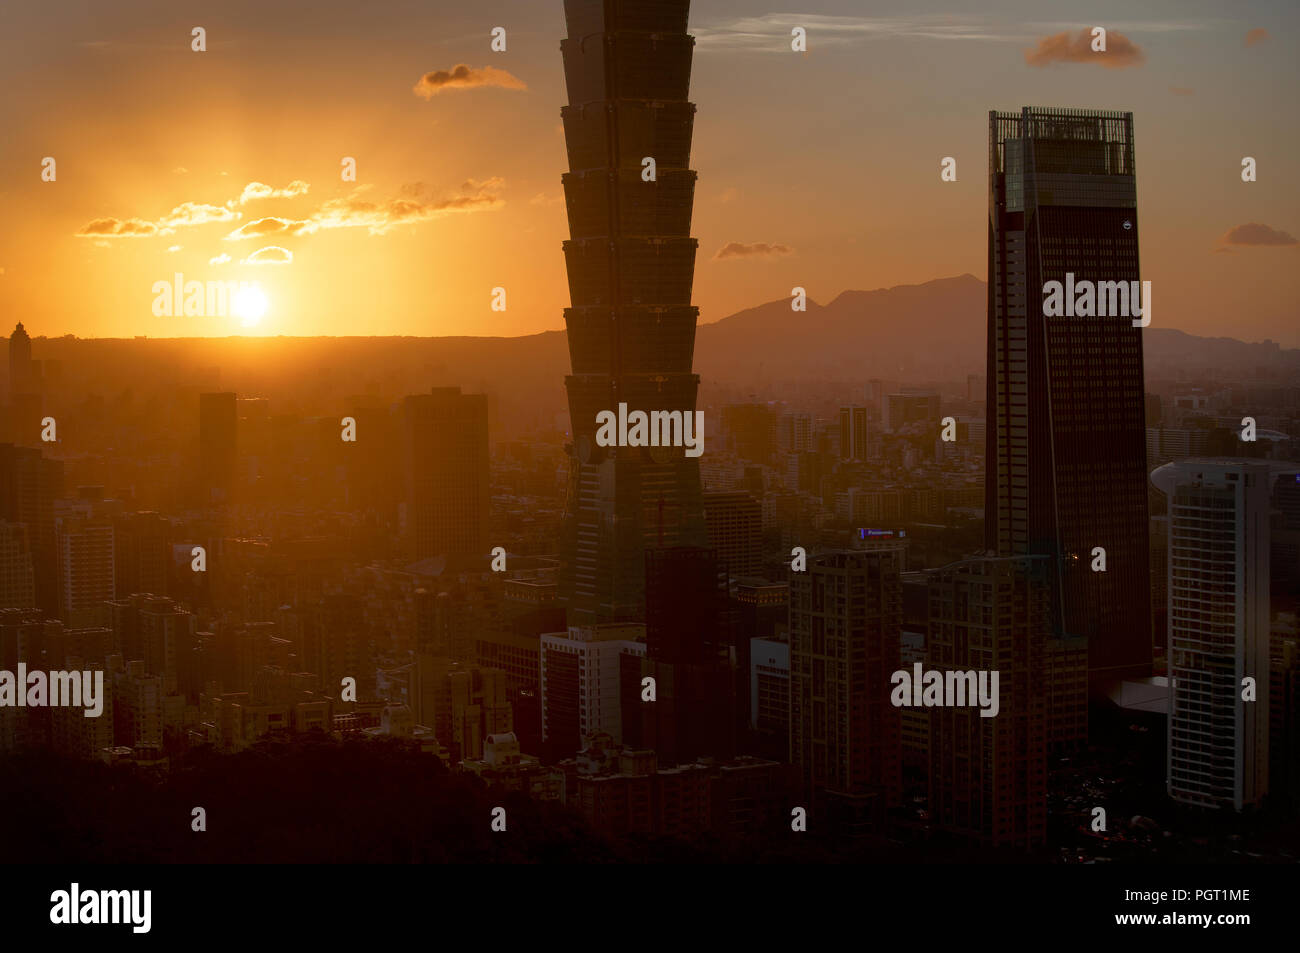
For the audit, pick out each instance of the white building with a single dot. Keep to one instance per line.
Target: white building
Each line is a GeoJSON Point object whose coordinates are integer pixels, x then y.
{"type": "Point", "coordinates": [1218, 579]}
{"type": "Point", "coordinates": [582, 671]}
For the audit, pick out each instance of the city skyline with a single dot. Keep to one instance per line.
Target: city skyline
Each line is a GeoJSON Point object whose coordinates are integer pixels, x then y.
{"type": "Point", "coordinates": [959, 572]}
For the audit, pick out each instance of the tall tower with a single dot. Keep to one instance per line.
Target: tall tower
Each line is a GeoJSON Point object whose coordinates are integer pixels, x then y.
{"type": "Point", "coordinates": [1066, 438]}
{"type": "Point", "coordinates": [631, 262]}
{"type": "Point", "coordinates": [20, 359]}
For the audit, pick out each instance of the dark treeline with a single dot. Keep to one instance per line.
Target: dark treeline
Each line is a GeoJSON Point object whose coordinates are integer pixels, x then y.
{"type": "Point", "coordinates": [311, 799]}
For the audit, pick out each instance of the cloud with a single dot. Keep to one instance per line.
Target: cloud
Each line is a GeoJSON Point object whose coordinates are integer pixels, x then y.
{"type": "Point", "coordinates": [188, 214]}
{"type": "Point", "coordinates": [180, 170]}
{"type": "Point", "coordinates": [729, 194]}
{"type": "Point", "coordinates": [541, 198]}
{"type": "Point", "coordinates": [175, 248]}
{"type": "Point", "coordinates": [770, 32]}
{"type": "Point", "coordinates": [1253, 233]}
{"type": "Point", "coordinates": [185, 215]}
{"type": "Point", "coordinates": [356, 211]}
{"type": "Point", "coordinates": [118, 228]}
{"type": "Point", "coordinates": [752, 250]}
{"type": "Point", "coordinates": [270, 255]}
{"type": "Point", "coordinates": [462, 76]}
{"type": "Point", "coordinates": [256, 191]}
{"type": "Point", "coordinates": [221, 259]}
{"type": "Point", "coordinates": [1256, 36]}
{"type": "Point", "coordinates": [1181, 90]}
{"type": "Point", "coordinates": [1065, 47]}
{"type": "Point", "coordinates": [260, 228]}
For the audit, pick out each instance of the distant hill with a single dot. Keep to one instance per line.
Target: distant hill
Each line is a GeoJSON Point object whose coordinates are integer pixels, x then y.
{"type": "Point", "coordinates": [933, 331]}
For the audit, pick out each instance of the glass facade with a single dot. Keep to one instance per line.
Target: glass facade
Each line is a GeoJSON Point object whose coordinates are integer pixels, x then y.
{"type": "Point", "coordinates": [1066, 438]}
{"type": "Point", "coordinates": [631, 325]}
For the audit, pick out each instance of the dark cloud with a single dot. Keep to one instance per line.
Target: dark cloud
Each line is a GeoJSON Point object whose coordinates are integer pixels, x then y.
{"type": "Point", "coordinates": [1256, 36]}
{"type": "Point", "coordinates": [752, 250]}
{"type": "Point", "coordinates": [462, 76]}
{"type": "Point", "coordinates": [1253, 233]}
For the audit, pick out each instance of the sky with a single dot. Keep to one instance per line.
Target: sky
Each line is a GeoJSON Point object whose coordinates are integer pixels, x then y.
{"type": "Point", "coordinates": [819, 169]}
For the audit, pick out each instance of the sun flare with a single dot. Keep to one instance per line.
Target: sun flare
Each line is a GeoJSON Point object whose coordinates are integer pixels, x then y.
{"type": "Point", "coordinates": [249, 306]}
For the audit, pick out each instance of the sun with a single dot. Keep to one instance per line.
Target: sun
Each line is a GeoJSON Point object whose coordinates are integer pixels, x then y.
{"type": "Point", "coordinates": [249, 305]}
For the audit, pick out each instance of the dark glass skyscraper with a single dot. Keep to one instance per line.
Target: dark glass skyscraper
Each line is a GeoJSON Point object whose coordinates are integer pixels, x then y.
{"type": "Point", "coordinates": [1066, 453]}
{"type": "Point", "coordinates": [631, 262]}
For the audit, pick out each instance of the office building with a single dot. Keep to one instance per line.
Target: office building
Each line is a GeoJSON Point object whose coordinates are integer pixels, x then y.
{"type": "Point", "coordinates": [1066, 448]}
{"type": "Point", "coordinates": [583, 683]}
{"type": "Point", "coordinates": [448, 479]}
{"type": "Point", "coordinates": [218, 446]}
{"type": "Point", "coordinates": [735, 531]}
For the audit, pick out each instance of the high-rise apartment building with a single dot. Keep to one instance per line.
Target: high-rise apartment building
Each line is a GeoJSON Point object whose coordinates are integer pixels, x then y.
{"type": "Point", "coordinates": [447, 490]}
{"type": "Point", "coordinates": [17, 579]}
{"type": "Point", "coordinates": [846, 616]}
{"type": "Point", "coordinates": [1066, 452]}
{"type": "Point", "coordinates": [84, 552]}
{"type": "Point", "coordinates": [631, 326]}
{"type": "Point", "coordinates": [1219, 513]}
{"type": "Point", "coordinates": [988, 775]}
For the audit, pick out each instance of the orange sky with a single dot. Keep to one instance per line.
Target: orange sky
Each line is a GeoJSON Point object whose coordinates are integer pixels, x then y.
{"type": "Point", "coordinates": [823, 167]}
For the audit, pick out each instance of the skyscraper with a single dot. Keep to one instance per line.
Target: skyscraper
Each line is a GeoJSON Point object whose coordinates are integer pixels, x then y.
{"type": "Point", "coordinates": [846, 617]}
{"type": "Point", "coordinates": [853, 433]}
{"type": "Point", "coordinates": [1219, 512]}
{"type": "Point", "coordinates": [29, 485]}
{"type": "Point", "coordinates": [631, 262]}
{"type": "Point", "coordinates": [447, 490]}
{"type": "Point", "coordinates": [1066, 452]}
{"type": "Point", "coordinates": [218, 447]}
{"type": "Point", "coordinates": [20, 360]}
